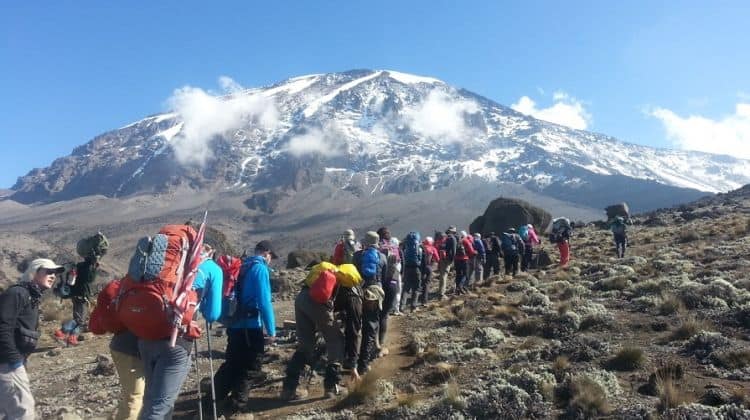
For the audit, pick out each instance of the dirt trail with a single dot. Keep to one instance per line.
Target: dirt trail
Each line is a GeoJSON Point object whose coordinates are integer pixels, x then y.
{"type": "Point", "coordinates": [265, 403]}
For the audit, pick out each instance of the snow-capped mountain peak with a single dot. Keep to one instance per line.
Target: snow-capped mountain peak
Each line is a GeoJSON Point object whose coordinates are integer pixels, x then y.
{"type": "Point", "coordinates": [374, 131]}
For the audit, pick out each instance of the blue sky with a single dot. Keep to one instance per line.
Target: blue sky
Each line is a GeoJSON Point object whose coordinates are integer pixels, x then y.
{"type": "Point", "coordinates": [666, 74]}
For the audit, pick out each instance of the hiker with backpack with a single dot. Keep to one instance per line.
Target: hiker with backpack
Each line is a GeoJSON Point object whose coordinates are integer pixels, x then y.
{"type": "Point", "coordinates": [123, 347]}
{"type": "Point", "coordinates": [620, 235]}
{"type": "Point", "coordinates": [393, 286]}
{"type": "Point", "coordinates": [345, 248]}
{"type": "Point", "coordinates": [91, 249]}
{"type": "Point", "coordinates": [446, 245]}
{"type": "Point", "coordinates": [512, 247]}
{"type": "Point", "coordinates": [464, 252]}
{"type": "Point", "coordinates": [431, 257]}
{"type": "Point", "coordinates": [530, 238]}
{"type": "Point", "coordinates": [413, 257]}
{"type": "Point", "coordinates": [476, 266]}
{"type": "Point", "coordinates": [493, 252]}
{"type": "Point", "coordinates": [166, 282]}
{"type": "Point", "coordinates": [248, 315]}
{"type": "Point", "coordinates": [314, 311]}
{"type": "Point", "coordinates": [560, 235]}
{"type": "Point", "coordinates": [19, 320]}
{"type": "Point", "coordinates": [372, 266]}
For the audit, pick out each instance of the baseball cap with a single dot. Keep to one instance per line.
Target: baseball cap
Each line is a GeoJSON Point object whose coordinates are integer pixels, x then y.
{"type": "Point", "coordinates": [266, 246]}
{"type": "Point", "coordinates": [42, 263]}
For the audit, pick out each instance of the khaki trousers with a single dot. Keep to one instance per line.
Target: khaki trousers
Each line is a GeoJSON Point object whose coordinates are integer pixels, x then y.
{"type": "Point", "coordinates": [132, 384]}
{"type": "Point", "coordinates": [16, 401]}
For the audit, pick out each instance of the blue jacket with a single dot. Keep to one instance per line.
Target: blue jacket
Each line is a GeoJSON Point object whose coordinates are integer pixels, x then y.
{"type": "Point", "coordinates": [256, 293]}
{"type": "Point", "coordinates": [479, 247]}
{"type": "Point", "coordinates": [209, 283]}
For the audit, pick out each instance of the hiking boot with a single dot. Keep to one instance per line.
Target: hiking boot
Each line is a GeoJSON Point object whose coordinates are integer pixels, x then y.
{"type": "Point", "coordinates": [333, 392]}
{"type": "Point", "coordinates": [293, 394]}
{"type": "Point", "coordinates": [72, 340]}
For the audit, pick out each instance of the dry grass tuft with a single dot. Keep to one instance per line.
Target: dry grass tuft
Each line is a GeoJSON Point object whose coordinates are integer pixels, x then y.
{"type": "Point", "coordinates": [441, 373]}
{"type": "Point", "coordinates": [560, 366]}
{"type": "Point", "coordinates": [688, 328]}
{"type": "Point", "coordinates": [688, 235]}
{"type": "Point", "coordinates": [530, 343]}
{"type": "Point", "coordinates": [628, 358]}
{"type": "Point", "coordinates": [506, 312]}
{"type": "Point", "coordinates": [671, 305]}
{"type": "Point", "coordinates": [526, 327]}
{"type": "Point", "coordinates": [670, 394]}
{"type": "Point", "coordinates": [363, 390]}
{"type": "Point", "coordinates": [734, 359]}
{"type": "Point", "coordinates": [588, 399]}
{"type": "Point", "coordinates": [464, 313]}
{"type": "Point", "coordinates": [452, 396]}
{"type": "Point", "coordinates": [409, 400]}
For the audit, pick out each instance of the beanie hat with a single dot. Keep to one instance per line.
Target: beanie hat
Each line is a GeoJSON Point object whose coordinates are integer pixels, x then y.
{"type": "Point", "coordinates": [349, 234]}
{"type": "Point", "coordinates": [478, 235]}
{"type": "Point", "coordinates": [371, 238]}
{"type": "Point", "coordinates": [451, 229]}
{"type": "Point", "coordinates": [429, 240]}
{"type": "Point", "coordinates": [463, 234]}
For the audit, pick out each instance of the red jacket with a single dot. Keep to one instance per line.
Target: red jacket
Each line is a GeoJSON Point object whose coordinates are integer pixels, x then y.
{"type": "Point", "coordinates": [432, 251]}
{"type": "Point", "coordinates": [439, 245]}
{"type": "Point", "coordinates": [469, 247]}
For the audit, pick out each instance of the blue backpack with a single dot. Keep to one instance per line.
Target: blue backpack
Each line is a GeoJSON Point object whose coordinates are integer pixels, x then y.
{"type": "Point", "coordinates": [523, 232]}
{"type": "Point", "coordinates": [412, 250]}
{"type": "Point", "coordinates": [508, 244]}
{"type": "Point", "coordinates": [370, 263]}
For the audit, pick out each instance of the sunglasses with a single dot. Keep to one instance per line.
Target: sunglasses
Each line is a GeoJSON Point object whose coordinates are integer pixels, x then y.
{"type": "Point", "coordinates": [49, 271]}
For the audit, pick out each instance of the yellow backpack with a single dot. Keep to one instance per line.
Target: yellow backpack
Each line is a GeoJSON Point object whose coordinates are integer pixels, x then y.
{"type": "Point", "coordinates": [348, 275]}
{"type": "Point", "coordinates": [317, 269]}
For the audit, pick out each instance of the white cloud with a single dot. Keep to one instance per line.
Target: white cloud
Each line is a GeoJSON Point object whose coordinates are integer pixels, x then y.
{"type": "Point", "coordinates": [207, 115]}
{"type": "Point", "coordinates": [729, 135]}
{"type": "Point", "coordinates": [441, 118]}
{"type": "Point", "coordinates": [566, 110]}
{"type": "Point", "coordinates": [317, 140]}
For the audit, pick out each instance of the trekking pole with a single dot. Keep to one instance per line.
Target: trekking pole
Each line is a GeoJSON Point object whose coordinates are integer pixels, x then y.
{"type": "Point", "coordinates": [211, 368]}
{"type": "Point", "coordinates": [198, 376]}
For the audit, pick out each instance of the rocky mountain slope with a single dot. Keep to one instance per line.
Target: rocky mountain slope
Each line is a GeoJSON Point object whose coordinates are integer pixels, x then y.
{"type": "Point", "coordinates": [662, 333]}
{"type": "Point", "coordinates": [373, 132]}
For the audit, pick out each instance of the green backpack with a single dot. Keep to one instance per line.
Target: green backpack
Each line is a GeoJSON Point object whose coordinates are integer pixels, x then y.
{"type": "Point", "coordinates": [93, 246]}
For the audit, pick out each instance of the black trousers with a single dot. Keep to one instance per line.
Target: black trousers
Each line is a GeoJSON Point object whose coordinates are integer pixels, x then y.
{"type": "Point", "coordinates": [242, 366]}
{"type": "Point", "coordinates": [461, 273]}
{"type": "Point", "coordinates": [351, 307]}
{"type": "Point", "coordinates": [424, 287]}
{"type": "Point", "coordinates": [528, 252]}
{"type": "Point", "coordinates": [79, 310]}
{"type": "Point", "coordinates": [388, 303]}
{"type": "Point", "coordinates": [493, 265]}
{"type": "Point", "coordinates": [370, 330]}
{"type": "Point", "coordinates": [621, 242]}
{"type": "Point", "coordinates": [412, 277]}
{"type": "Point", "coordinates": [511, 264]}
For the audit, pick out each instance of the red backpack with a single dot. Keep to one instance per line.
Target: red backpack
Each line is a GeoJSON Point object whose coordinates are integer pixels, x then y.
{"type": "Point", "coordinates": [104, 318]}
{"type": "Point", "coordinates": [147, 300]}
{"type": "Point", "coordinates": [322, 289]}
{"type": "Point", "coordinates": [230, 266]}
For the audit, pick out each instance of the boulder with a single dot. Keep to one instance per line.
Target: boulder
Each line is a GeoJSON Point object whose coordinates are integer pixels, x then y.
{"type": "Point", "coordinates": [541, 259]}
{"type": "Point", "coordinates": [503, 213]}
{"type": "Point", "coordinates": [303, 258]}
{"type": "Point", "coordinates": [618, 210]}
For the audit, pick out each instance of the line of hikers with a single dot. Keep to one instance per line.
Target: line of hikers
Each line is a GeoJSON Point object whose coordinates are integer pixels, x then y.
{"type": "Point", "coordinates": [175, 274]}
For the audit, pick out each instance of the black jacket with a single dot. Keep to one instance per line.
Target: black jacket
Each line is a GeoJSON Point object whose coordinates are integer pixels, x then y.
{"type": "Point", "coordinates": [19, 318]}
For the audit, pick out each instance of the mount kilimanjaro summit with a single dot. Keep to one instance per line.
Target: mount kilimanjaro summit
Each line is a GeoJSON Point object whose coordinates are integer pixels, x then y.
{"type": "Point", "coordinates": [371, 133]}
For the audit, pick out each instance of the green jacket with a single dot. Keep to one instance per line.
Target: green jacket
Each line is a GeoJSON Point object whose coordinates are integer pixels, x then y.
{"type": "Point", "coordinates": [86, 276]}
